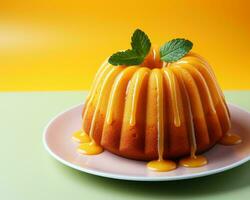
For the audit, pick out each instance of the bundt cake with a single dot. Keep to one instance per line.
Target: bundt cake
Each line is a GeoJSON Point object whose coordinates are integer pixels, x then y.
{"type": "Point", "coordinates": [155, 104]}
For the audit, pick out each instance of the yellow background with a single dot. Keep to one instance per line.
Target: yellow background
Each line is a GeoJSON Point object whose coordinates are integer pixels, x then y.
{"type": "Point", "coordinates": [58, 45]}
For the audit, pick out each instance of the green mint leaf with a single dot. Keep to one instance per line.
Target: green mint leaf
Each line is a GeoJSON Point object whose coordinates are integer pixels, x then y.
{"type": "Point", "coordinates": [140, 42]}
{"type": "Point", "coordinates": [128, 58]}
{"type": "Point", "coordinates": [175, 49]}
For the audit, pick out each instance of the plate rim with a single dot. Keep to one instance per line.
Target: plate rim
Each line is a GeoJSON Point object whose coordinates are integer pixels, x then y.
{"type": "Point", "coordinates": [134, 178]}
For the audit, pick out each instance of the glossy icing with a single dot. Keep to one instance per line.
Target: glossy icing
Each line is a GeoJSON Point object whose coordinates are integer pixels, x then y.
{"type": "Point", "coordinates": [196, 161]}
{"type": "Point", "coordinates": [230, 139]}
{"type": "Point", "coordinates": [81, 137]}
{"type": "Point", "coordinates": [171, 82]}
{"type": "Point", "coordinates": [140, 75]}
{"type": "Point", "coordinates": [160, 164]}
{"type": "Point", "coordinates": [120, 82]}
{"type": "Point", "coordinates": [90, 148]}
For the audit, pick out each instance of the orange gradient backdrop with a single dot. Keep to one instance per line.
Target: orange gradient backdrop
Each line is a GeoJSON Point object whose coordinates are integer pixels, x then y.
{"type": "Point", "coordinates": [58, 45]}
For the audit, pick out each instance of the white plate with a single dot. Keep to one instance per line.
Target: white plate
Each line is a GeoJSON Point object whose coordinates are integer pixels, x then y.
{"type": "Point", "coordinates": [58, 142]}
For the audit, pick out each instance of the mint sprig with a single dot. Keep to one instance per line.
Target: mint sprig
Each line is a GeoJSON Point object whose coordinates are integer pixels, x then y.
{"type": "Point", "coordinates": [140, 44]}
{"type": "Point", "coordinates": [175, 49]}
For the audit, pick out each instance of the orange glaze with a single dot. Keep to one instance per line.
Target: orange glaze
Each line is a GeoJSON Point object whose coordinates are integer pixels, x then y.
{"type": "Point", "coordinates": [193, 161]}
{"type": "Point", "coordinates": [121, 82]}
{"type": "Point", "coordinates": [90, 148]}
{"type": "Point", "coordinates": [141, 73]}
{"type": "Point", "coordinates": [161, 165]}
{"type": "Point", "coordinates": [230, 139]}
{"type": "Point", "coordinates": [171, 81]}
{"type": "Point", "coordinates": [87, 146]}
{"type": "Point", "coordinates": [81, 136]}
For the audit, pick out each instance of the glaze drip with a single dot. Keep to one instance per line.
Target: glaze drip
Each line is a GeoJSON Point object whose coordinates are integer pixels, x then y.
{"type": "Point", "coordinates": [81, 137]}
{"type": "Point", "coordinates": [171, 81]}
{"type": "Point", "coordinates": [230, 139]}
{"type": "Point", "coordinates": [134, 101]}
{"type": "Point", "coordinates": [160, 164]}
{"type": "Point", "coordinates": [97, 78]}
{"type": "Point", "coordinates": [98, 104]}
{"type": "Point", "coordinates": [121, 81]}
{"type": "Point", "coordinates": [191, 132]}
{"type": "Point", "coordinates": [196, 161]}
{"type": "Point", "coordinates": [90, 148]}
{"type": "Point", "coordinates": [160, 125]}
{"type": "Point", "coordinates": [140, 75]}
{"type": "Point", "coordinates": [92, 94]}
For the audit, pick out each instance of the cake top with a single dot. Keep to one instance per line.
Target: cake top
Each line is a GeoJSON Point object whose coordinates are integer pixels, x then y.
{"type": "Point", "coordinates": [141, 46]}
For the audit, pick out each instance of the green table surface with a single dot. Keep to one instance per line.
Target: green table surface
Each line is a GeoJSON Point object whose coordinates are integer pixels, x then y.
{"type": "Point", "coordinates": [28, 172]}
